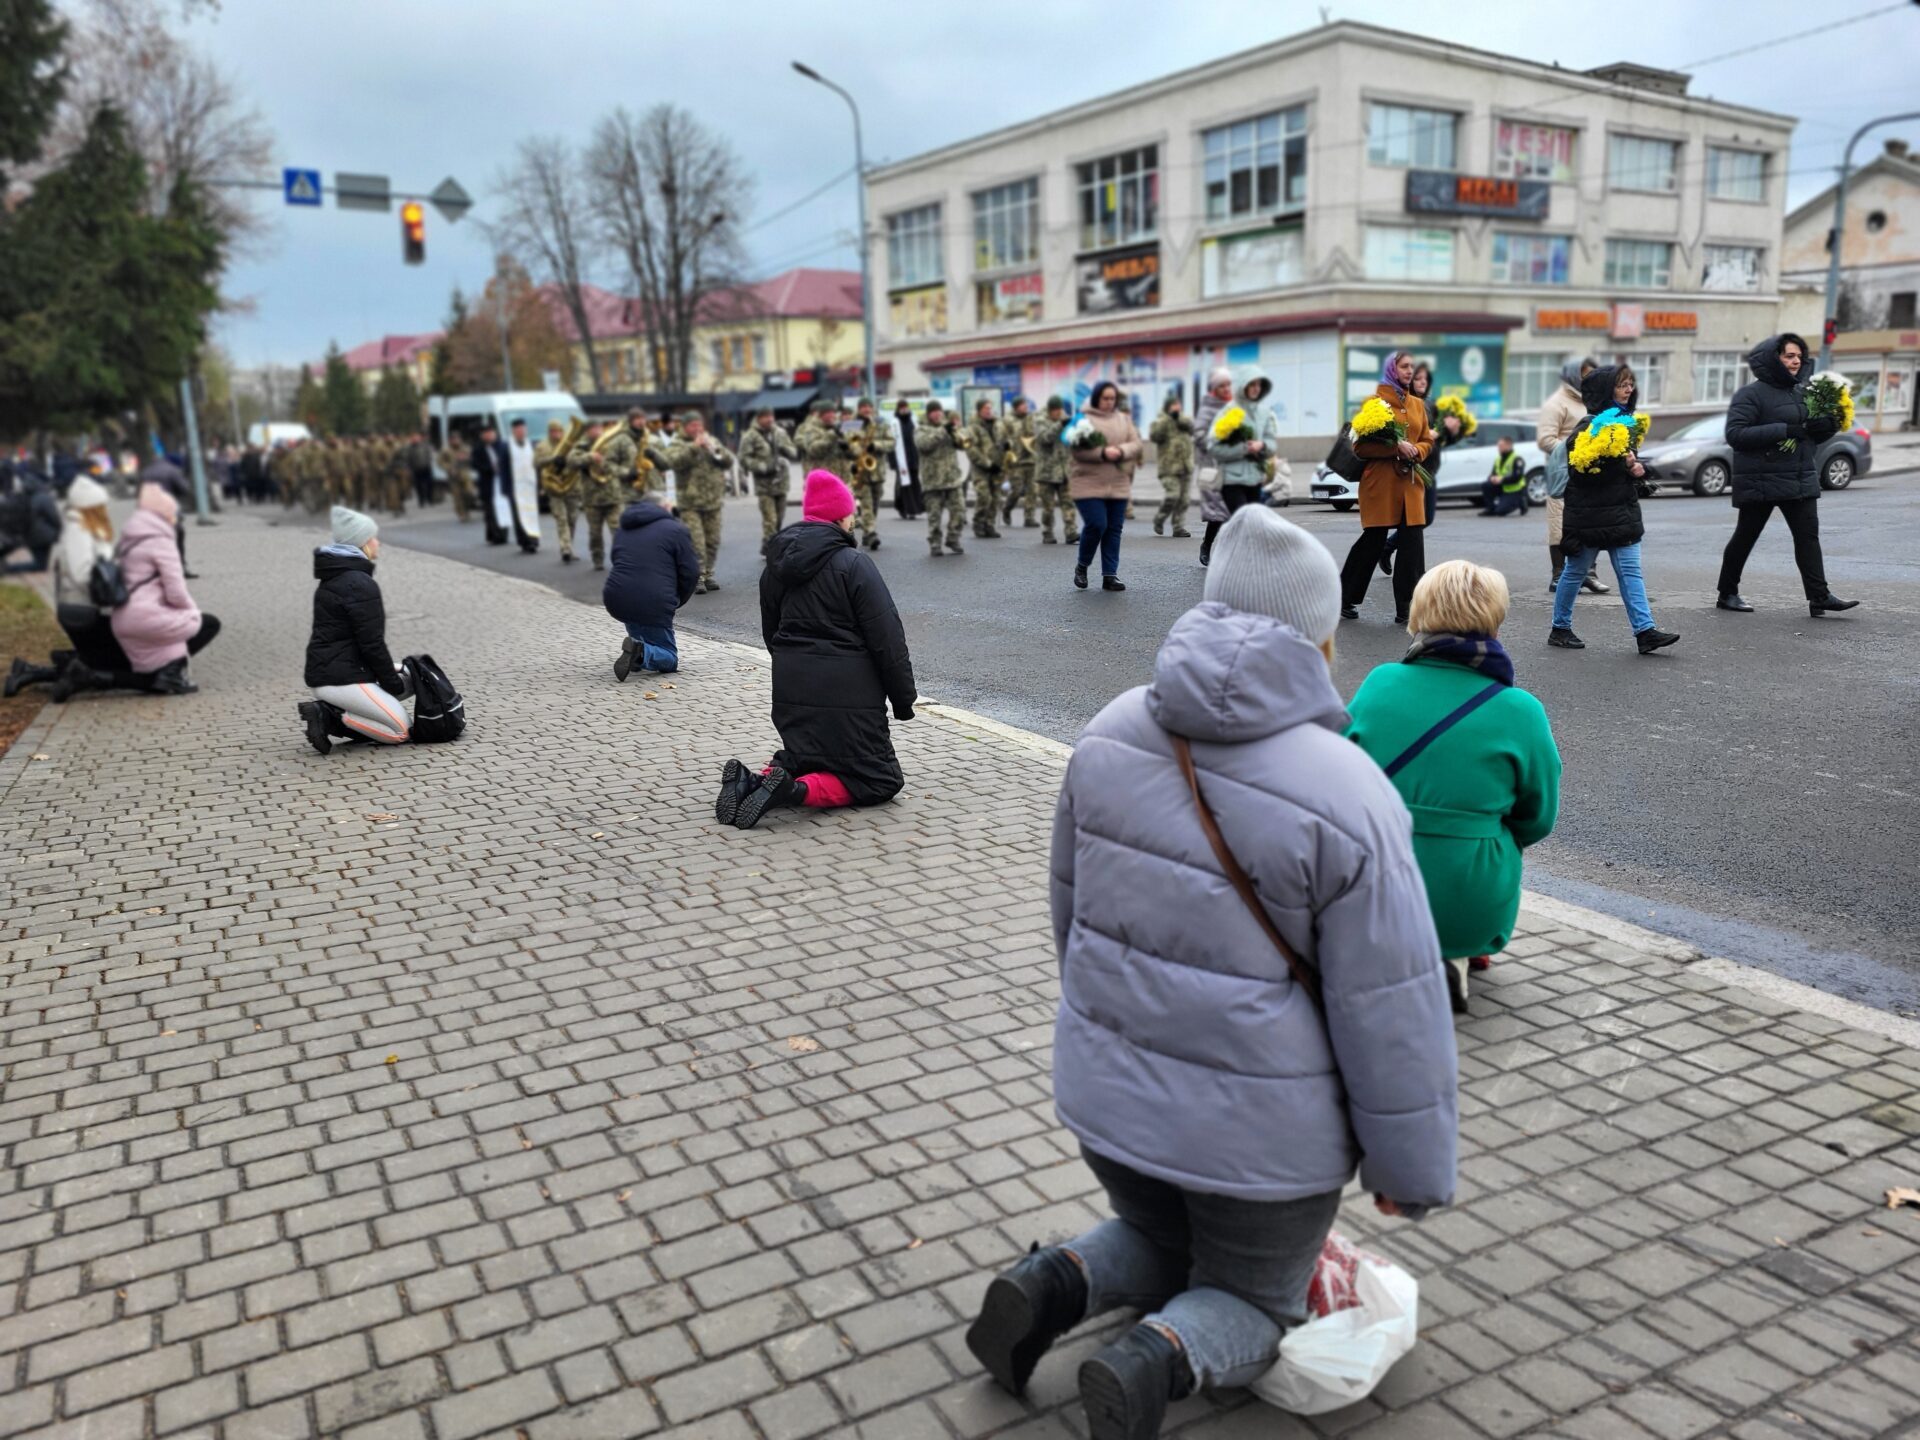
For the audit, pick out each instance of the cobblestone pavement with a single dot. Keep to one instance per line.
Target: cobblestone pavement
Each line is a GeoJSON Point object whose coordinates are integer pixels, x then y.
{"type": "Point", "coordinates": [489, 1089]}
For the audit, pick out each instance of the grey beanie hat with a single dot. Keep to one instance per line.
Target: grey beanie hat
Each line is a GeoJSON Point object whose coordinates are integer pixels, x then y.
{"type": "Point", "coordinates": [1268, 566]}
{"type": "Point", "coordinates": [350, 527]}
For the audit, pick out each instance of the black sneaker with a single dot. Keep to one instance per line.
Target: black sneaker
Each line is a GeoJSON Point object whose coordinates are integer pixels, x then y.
{"type": "Point", "coordinates": [629, 652]}
{"type": "Point", "coordinates": [1025, 1310]}
{"type": "Point", "coordinates": [1654, 639]}
{"type": "Point", "coordinates": [315, 719]}
{"type": "Point", "coordinates": [1126, 1387]}
{"type": "Point", "coordinates": [1565, 640]}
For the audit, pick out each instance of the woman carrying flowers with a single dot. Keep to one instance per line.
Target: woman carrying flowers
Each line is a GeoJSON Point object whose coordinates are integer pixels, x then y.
{"type": "Point", "coordinates": [1604, 486]}
{"type": "Point", "coordinates": [1392, 435]}
{"type": "Point", "coordinates": [1102, 448]}
{"type": "Point", "coordinates": [1243, 437]}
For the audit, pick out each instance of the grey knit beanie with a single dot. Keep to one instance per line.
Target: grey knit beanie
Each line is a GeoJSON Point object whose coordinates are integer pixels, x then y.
{"type": "Point", "coordinates": [350, 527]}
{"type": "Point", "coordinates": [1268, 566]}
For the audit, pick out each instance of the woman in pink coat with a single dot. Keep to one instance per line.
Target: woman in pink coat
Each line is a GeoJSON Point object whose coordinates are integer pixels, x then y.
{"type": "Point", "coordinates": [159, 626]}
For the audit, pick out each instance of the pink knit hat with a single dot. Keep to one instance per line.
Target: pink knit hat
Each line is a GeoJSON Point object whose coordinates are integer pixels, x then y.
{"type": "Point", "coordinates": [827, 498]}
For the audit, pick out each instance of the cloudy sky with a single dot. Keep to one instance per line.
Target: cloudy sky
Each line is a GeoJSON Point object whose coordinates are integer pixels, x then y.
{"type": "Point", "coordinates": [423, 89]}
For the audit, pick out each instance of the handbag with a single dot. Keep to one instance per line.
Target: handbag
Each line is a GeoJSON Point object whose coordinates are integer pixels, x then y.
{"type": "Point", "coordinates": [1303, 974]}
{"type": "Point", "coordinates": [1342, 461]}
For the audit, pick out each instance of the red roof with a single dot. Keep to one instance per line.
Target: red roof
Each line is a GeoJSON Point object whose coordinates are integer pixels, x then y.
{"type": "Point", "coordinates": [388, 350]}
{"type": "Point", "coordinates": [795, 294]}
{"type": "Point", "coordinates": [1343, 320]}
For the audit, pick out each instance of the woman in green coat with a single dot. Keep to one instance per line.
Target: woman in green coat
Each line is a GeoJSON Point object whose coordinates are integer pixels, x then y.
{"type": "Point", "coordinates": [1472, 755]}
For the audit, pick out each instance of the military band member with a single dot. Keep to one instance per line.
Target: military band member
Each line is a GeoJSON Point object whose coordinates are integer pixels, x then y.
{"type": "Point", "coordinates": [561, 485]}
{"type": "Point", "coordinates": [453, 460]}
{"type": "Point", "coordinates": [1018, 439]}
{"type": "Point", "coordinates": [603, 494]}
{"type": "Point", "coordinates": [985, 454]}
{"type": "Point", "coordinates": [1172, 436]}
{"type": "Point", "coordinates": [764, 452]}
{"type": "Point", "coordinates": [869, 486]}
{"type": "Point", "coordinates": [821, 445]}
{"type": "Point", "coordinates": [1050, 473]}
{"type": "Point", "coordinates": [939, 441]}
{"type": "Point", "coordinates": [701, 464]}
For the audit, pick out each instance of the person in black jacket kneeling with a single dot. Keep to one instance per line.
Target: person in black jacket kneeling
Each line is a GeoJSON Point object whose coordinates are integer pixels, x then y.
{"type": "Point", "coordinates": [1776, 448]}
{"type": "Point", "coordinates": [839, 656]}
{"type": "Point", "coordinates": [654, 571]}
{"type": "Point", "coordinates": [358, 690]}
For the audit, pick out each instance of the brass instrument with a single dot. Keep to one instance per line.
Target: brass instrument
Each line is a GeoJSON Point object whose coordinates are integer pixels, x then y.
{"type": "Point", "coordinates": [1027, 443]}
{"type": "Point", "coordinates": [865, 462]}
{"type": "Point", "coordinates": [959, 437]}
{"type": "Point", "coordinates": [553, 476]}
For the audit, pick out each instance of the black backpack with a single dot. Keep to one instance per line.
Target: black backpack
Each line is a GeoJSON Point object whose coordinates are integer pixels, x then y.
{"type": "Point", "coordinates": [107, 584]}
{"type": "Point", "coordinates": [438, 711]}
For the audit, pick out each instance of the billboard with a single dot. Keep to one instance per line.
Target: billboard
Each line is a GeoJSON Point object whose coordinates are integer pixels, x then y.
{"type": "Point", "coordinates": [1119, 280]}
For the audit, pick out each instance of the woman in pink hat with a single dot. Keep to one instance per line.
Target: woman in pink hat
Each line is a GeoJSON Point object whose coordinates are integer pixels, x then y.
{"type": "Point", "coordinates": [839, 657]}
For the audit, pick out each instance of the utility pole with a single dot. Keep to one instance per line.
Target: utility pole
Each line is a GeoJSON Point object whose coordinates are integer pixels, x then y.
{"type": "Point", "coordinates": [194, 461]}
{"type": "Point", "coordinates": [1836, 237]}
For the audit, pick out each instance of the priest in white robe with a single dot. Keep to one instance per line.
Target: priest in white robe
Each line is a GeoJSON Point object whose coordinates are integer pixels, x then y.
{"type": "Point", "coordinates": [523, 490]}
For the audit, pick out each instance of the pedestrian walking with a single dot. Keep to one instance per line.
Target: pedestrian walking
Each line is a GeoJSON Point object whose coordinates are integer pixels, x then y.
{"type": "Point", "coordinates": [1561, 414]}
{"type": "Point", "coordinates": [1050, 474]}
{"type": "Point", "coordinates": [701, 464]}
{"type": "Point", "coordinates": [1251, 1004]}
{"type": "Point", "coordinates": [1172, 436]}
{"type": "Point", "coordinates": [1603, 513]}
{"type": "Point", "coordinates": [1392, 495]}
{"type": "Point", "coordinates": [1446, 430]}
{"type": "Point", "coordinates": [522, 479]}
{"type": "Point", "coordinates": [656, 570]}
{"type": "Point", "coordinates": [1776, 446]}
{"type": "Point", "coordinates": [1472, 755]}
{"type": "Point", "coordinates": [358, 691]}
{"type": "Point", "coordinates": [764, 452]}
{"type": "Point", "coordinates": [1243, 461]}
{"type": "Point", "coordinates": [493, 481]}
{"type": "Point", "coordinates": [1213, 505]}
{"type": "Point", "coordinates": [939, 446]}
{"type": "Point", "coordinates": [560, 483]}
{"type": "Point", "coordinates": [986, 457]}
{"type": "Point", "coordinates": [908, 499]}
{"type": "Point", "coordinates": [839, 658]}
{"type": "Point", "coordinates": [1100, 480]}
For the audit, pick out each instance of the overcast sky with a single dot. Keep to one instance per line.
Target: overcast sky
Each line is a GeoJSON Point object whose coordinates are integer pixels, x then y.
{"type": "Point", "coordinates": [423, 89]}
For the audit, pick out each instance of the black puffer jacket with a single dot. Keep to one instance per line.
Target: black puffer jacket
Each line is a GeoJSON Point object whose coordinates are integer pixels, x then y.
{"type": "Point", "coordinates": [349, 641]}
{"type": "Point", "coordinates": [1603, 506]}
{"type": "Point", "coordinates": [839, 655]}
{"type": "Point", "coordinates": [1764, 412]}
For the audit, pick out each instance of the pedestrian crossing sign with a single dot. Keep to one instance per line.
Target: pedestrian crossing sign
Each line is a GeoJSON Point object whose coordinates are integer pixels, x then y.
{"type": "Point", "coordinates": [302, 187]}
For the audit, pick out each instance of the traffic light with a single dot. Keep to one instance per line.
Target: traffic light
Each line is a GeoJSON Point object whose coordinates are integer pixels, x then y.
{"type": "Point", "coordinates": [1831, 334]}
{"type": "Point", "coordinates": [413, 233]}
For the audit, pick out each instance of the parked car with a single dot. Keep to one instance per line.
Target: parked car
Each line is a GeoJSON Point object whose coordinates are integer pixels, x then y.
{"type": "Point", "coordinates": [1698, 457]}
{"type": "Point", "coordinates": [1462, 469]}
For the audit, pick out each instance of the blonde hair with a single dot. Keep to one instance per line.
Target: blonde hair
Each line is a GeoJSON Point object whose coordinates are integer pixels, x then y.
{"type": "Point", "coordinates": [1458, 597]}
{"type": "Point", "coordinates": [97, 522]}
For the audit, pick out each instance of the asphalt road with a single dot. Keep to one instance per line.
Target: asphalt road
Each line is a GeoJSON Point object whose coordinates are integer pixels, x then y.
{"type": "Point", "coordinates": [1755, 790]}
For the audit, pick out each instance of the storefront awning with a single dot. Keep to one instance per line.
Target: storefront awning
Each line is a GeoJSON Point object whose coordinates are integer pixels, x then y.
{"type": "Point", "coordinates": [786, 398]}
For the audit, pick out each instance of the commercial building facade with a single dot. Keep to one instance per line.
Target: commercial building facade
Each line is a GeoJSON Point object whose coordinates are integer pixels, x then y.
{"type": "Point", "coordinates": [1309, 204]}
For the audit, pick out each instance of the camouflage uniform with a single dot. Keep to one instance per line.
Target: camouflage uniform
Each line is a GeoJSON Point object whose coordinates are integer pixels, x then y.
{"type": "Point", "coordinates": [602, 493]}
{"type": "Point", "coordinates": [1020, 470]}
{"type": "Point", "coordinates": [562, 488]}
{"type": "Point", "coordinates": [702, 473]}
{"type": "Point", "coordinates": [823, 448]}
{"type": "Point", "coordinates": [336, 472]}
{"type": "Point", "coordinates": [455, 460]}
{"type": "Point", "coordinates": [764, 455]}
{"type": "Point", "coordinates": [310, 475]}
{"type": "Point", "coordinates": [282, 471]}
{"type": "Point", "coordinates": [984, 453]}
{"type": "Point", "coordinates": [940, 482]}
{"type": "Point", "coordinates": [621, 460]}
{"type": "Point", "coordinates": [1172, 436]}
{"type": "Point", "coordinates": [1050, 475]}
{"type": "Point", "coordinates": [877, 435]}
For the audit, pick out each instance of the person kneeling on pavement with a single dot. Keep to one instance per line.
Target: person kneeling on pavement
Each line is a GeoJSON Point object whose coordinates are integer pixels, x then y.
{"type": "Point", "coordinates": [1505, 488]}
{"type": "Point", "coordinates": [839, 656]}
{"type": "Point", "coordinates": [358, 690]}
{"type": "Point", "coordinates": [655, 571]}
{"type": "Point", "coordinates": [1251, 998]}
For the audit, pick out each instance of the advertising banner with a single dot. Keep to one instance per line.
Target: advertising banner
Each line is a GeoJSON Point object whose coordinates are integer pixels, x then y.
{"type": "Point", "coordinates": [1119, 280]}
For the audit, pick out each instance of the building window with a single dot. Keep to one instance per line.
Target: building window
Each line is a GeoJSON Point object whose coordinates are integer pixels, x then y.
{"type": "Point", "coordinates": [1736, 174]}
{"type": "Point", "coordinates": [1716, 375]}
{"type": "Point", "coordinates": [1636, 163]}
{"type": "Point", "coordinates": [1534, 152]}
{"type": "Point", "coordinates": [1900, 310]}
{"type": "Point", "coordinates": [1530, 380]}
{"type": "Point", "coordinates": [737, 353]}
{"type": "Point", "coordinates": [1402, 135]}
{"type": "Point", "coordinates": [1006, 225]}
{"type": "Point", "coordinates": [1731, 267]}
{"type": "Point", "coordinates": [1119, 198]}
{"type": "Point", "coordinates": [913, 247]}
{"type": "Point", "coordinates": [719, 357]}
{"type": "Point", "coordinates": [1531, 259]}
{"type": "Point", "coordinates": [760, 352]}
{"type": "Point", "coordinates": [1407, 252]}
{"type": "Point", "coordinates": [1645, 264]}
{"type": "Point", "coordinates": [1257, 166]}
{"type": "Point", "coordinates": [1649, 373]}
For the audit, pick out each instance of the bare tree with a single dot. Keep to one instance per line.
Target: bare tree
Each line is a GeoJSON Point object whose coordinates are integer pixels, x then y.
{"type": "Point", "coordinates": [544, 220]}
{"type": "Point", "coordinates": [668, 194]}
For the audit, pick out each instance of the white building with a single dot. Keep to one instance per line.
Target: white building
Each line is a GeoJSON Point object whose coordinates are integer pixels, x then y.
{"type": "Point", "coordinates": [1312, 202]}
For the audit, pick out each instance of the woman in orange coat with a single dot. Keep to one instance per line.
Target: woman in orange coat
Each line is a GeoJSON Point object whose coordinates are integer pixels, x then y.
{"type": "Point", "coordinates": [1391, 494]}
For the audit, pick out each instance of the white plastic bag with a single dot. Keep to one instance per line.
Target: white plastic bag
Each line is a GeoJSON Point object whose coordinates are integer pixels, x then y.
{"type": "Point", "coordinates": [1338, 1356]}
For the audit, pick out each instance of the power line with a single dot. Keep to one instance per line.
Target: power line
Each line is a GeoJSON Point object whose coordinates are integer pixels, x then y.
{"type": "Point", "coordinates": [804, 199]}
{"type": "Point", "coordinates": [1830, 26]}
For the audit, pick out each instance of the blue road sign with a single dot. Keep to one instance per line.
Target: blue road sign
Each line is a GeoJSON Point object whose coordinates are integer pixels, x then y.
{"type": "Point", "coordinates": [302, 187]}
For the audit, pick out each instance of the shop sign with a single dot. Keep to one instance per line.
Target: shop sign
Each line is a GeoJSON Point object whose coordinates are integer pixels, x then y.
{"type": "Point", "coordinates": [1671, 322]}
{"type": "Point", "coordinates": [1439, 192]}
{"type": "Point", "coordinates": [1119, 280]}
{"type": "Point", "coordinates": [1562, 319]}
{"type": "Point", "coordinates": [918, 312]}
{"type": "Point", "coordinates": [1011, 297]}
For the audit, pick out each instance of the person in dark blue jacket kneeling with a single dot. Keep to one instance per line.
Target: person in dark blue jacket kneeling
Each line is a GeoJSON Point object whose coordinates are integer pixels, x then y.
{"type": "Point", "coordinates": [652, 573]}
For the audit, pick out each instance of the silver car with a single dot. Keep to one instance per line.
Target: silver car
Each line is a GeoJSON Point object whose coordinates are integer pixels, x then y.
{"type": "Point", "coordinates": [1697, 457]}
{"type": "Point", "coordinates": [1462, 469]}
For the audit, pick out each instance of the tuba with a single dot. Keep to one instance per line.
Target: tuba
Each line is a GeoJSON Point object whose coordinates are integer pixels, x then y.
{"type": "Point", "coordinates": [553, 475]}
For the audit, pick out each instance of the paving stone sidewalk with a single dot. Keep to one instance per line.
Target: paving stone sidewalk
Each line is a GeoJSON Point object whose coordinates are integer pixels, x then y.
{"type": "Point", "coordinates": [490, 1089]}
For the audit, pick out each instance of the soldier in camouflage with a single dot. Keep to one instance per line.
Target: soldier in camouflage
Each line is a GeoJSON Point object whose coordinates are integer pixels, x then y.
{"type": "Point", "coordinates": [764, 452]}
{"type": "Point", "coordinates": [1172, 436]}
{"type": "Point", "coordinates": [939, 442]}
{"type": "Point", "coordinates": [454, 460]}
{"type": "Point", "coordinates": [560, 484]}
{"type": "Point", "coordinates": [701, 464]}
{"type": "Point", "coordinates": [821, 445]}
{"type": "Point", "coordinates": [869, 489]}
{"type": "Point", "coordinates": [632, 459]}
{"type": "Point", "coordinates": [985, 454]}
{"type": "Point", "coordinates": [602, 492]}
{"type": "Point", "coordinates": [283, 472]}
{"type": "Point", "coordinates": [1050, 473]}
{"type": "Point", "coordinates": [1017, 435]}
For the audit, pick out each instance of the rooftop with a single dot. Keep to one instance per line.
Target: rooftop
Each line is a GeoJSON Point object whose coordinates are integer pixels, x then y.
{"type": "Point", "coordinates": [793, 294]}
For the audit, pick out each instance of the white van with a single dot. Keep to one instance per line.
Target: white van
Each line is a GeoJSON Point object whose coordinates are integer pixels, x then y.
{"type": "Point", "coordinates": [465, 415]}
{"type": "Point", "coordinates": [267, 434]}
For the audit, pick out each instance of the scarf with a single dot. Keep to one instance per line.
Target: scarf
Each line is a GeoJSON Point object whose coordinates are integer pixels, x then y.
{"type": "Point", "coordinates": [1612, 415]}
{"type": "Point", "coordinates": [1477, 652]}
{"type": "Point", "coordinates": [1387, 375]}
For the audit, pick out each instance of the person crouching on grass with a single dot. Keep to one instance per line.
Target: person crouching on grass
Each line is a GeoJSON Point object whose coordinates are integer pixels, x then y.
{"type": "Point", "coordinates": [839, 657]}
{"type": "Point", "coordinates": [358, 690]}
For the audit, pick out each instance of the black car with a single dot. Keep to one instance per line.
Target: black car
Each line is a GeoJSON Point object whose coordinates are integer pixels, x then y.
{"type": "Point", "coordinates": [1697, 456]}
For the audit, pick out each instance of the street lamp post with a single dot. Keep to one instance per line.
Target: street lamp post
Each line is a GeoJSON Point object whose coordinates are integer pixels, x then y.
{"type": "Point", "coordinates": [860, 176]}
{"type": "Point", "coordinates": [1837, 235]}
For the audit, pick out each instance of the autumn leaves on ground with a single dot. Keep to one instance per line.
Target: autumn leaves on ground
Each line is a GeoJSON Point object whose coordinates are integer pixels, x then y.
{"type": "Point", "coordinates": [27, 629]}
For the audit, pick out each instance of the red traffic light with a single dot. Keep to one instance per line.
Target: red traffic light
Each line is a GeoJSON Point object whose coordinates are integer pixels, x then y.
{"type": "Point", "coordinates": [413, 232]}
{"type": "Point", "coordinates": [1832, 332]}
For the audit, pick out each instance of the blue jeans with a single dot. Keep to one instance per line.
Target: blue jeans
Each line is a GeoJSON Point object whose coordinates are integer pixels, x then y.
{"type": "Point", "coordinates": [1100, 522]}
{"type": "Point", "coordinates": [1227, 1276]}
{"type": "Point", "coordinates": [1626, 569]}
{"type": "Point", "coordinates": [658, 649]}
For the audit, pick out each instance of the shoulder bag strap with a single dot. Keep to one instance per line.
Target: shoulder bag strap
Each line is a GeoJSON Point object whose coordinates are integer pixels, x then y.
{"type": "Point", "coordinates": [1444, 724]}
{"type": "Point", "coordinates": [1303, 974]}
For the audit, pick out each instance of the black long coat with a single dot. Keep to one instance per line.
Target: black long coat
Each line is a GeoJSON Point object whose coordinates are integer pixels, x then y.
{"type": "Point", "coordinates": [1603, 506]}
{"type": "Point", "coordinates": [839, 656]}
{"type": "Point", "coordinates": [1758, 419]}
{"type": "Point", "coordinates": [492, 469]}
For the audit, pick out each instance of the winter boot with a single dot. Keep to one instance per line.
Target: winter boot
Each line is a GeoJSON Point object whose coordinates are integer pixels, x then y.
{"type": "Point", "coordinates": [1565, 640]}
{"type": "Point", "coordinates": [315, 721]}
{"type": "Point", "coordinates": [1126, 1387]}
{"type": "Point", "coordinates": [171, 679]}
{"type": "Point", "coordinates": [776, 790]}
{"type": "Point", "coordinates": [1049, 539]}
{"type": "Point", "coordinates": [1079, 577]}
{"type": "Point", "coordinates": [1180, 532]}
{"type": "Point", "coordinates": [76, 677]}
{"type": "Point", "coordinates": [954, 548]}
{"type": "Point", "coordinates": [24, 674]}
{"type": "Point", "coordinates": [737, 781]}
{"type": "Point", "coordinates": [1024, 1312]}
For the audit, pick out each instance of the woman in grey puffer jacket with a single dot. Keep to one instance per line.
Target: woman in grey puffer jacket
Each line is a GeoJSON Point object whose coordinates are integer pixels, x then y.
{"type": "Point", "coordinates": [1222, 1109]}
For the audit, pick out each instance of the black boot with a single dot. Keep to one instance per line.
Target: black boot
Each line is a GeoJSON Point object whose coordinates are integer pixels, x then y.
{"type": "Point", "coordinates": [25, 673]}
{"type": "Point", "coordinates": [76, 677]}
{"type": "Point", "coordinates": [776, 790]}
{"type": "Point", "coordinates": [1024, 1312]}
{"type": "Point", "coordinates": [1565, 640]}
{"type": "Point", "coordinates": [171, 679]}
{"type": "Point", "coordinates": [1111, 582]}
{"type": "Point", "coordinates": [1653, 639]}
{"type": "Point", "coordinates": [737, 781]}
{"type": "Point", "coordinates": [1079, 577]}
{"type": "Point", "coordinates": [1559, 558]}
{"type": "Point", "coordinates": [1828, 604]}
{"type": "Point", "coordinates": [1733, 600]}
{"type": "Point", "coordinates": [1126, 1387]}
{"type": "Point", "coordinates": [315, 721]}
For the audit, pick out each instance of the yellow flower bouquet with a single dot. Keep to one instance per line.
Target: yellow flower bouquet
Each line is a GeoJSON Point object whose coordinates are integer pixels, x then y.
{"type": "Point", "coordinates": [1230, 427]}
{"type": "Point", "coordinates": [1453, 405]}
{"type": "Point", "coordinates": [1375, 422]}
{"type": "Point", "coordinates": [1611, 434]}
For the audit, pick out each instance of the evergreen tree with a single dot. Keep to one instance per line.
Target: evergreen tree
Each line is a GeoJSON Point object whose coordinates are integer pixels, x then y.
{"type": "Point", "coordinates": [309, 404]}
{"type": "Point", "coordinates": [344, 401]}
{"type": "Point", "coordinates": [440, 370]}
{"type": "Point", "coordinates": [33, 77]}
{"type": "Point", "coordinates": [396, 403]}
